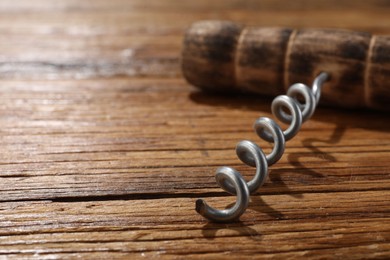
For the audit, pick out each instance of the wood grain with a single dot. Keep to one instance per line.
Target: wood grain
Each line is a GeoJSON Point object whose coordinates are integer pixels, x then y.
{"type": "Point", "coordinates": [141, 227]}
{"type": "Point", "coordinates": [105, 147]}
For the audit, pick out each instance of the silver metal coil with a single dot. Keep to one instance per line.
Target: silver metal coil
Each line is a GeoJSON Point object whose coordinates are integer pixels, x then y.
{"type": "Point", "coordinates": [252, 155]}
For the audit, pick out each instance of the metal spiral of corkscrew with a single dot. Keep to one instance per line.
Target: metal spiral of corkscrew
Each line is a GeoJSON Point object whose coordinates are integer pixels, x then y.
{"type": "Point", "coordinates": [252, 155]}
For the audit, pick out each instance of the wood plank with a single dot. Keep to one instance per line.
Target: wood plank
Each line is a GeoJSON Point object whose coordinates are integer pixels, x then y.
{"type": "Point", "coordinates": [96, 131]}
{"type": "Point", "coordinates": [73, 40]}
{"type": "Point", "coordinates": [306, 226]}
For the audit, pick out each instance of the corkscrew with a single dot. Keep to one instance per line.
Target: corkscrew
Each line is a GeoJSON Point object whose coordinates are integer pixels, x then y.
{"type": "Point", "coordinates": [252, 155]}
{"type": "Point", "coordinates": [223, 56]}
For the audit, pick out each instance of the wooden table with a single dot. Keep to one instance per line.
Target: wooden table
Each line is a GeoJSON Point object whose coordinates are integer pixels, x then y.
{"type": "Point", "coordinates": [105, 147]}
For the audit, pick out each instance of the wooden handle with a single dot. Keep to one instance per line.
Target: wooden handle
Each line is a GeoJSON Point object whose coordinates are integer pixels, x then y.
{"type": "Point", "coordinates": [225, 56]}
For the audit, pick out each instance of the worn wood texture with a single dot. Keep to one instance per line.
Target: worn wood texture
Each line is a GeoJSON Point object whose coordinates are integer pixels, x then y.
{"type": "Point", "coordinates": [105, 147]}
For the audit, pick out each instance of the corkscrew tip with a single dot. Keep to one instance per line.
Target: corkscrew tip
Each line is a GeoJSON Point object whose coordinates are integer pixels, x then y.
{"type": "Point", "coordinates": [199, 206]}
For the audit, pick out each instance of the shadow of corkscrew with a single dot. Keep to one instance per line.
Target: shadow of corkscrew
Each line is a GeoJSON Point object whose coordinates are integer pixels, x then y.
{"type": "Point", "coordinates": [210, 230]}
{"type": "Point", "coordinates": [342, 119]}
{"type": "Point", "coordinates": [296, 160]}
{"type": "Point", "coordinates": [257, 204]}
{"type": "Point", "coordinates": [373, 120]}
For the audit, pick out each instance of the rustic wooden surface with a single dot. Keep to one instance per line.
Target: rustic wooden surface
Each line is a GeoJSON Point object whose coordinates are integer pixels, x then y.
{"type": "Point", "coordinates": [105, 148]}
